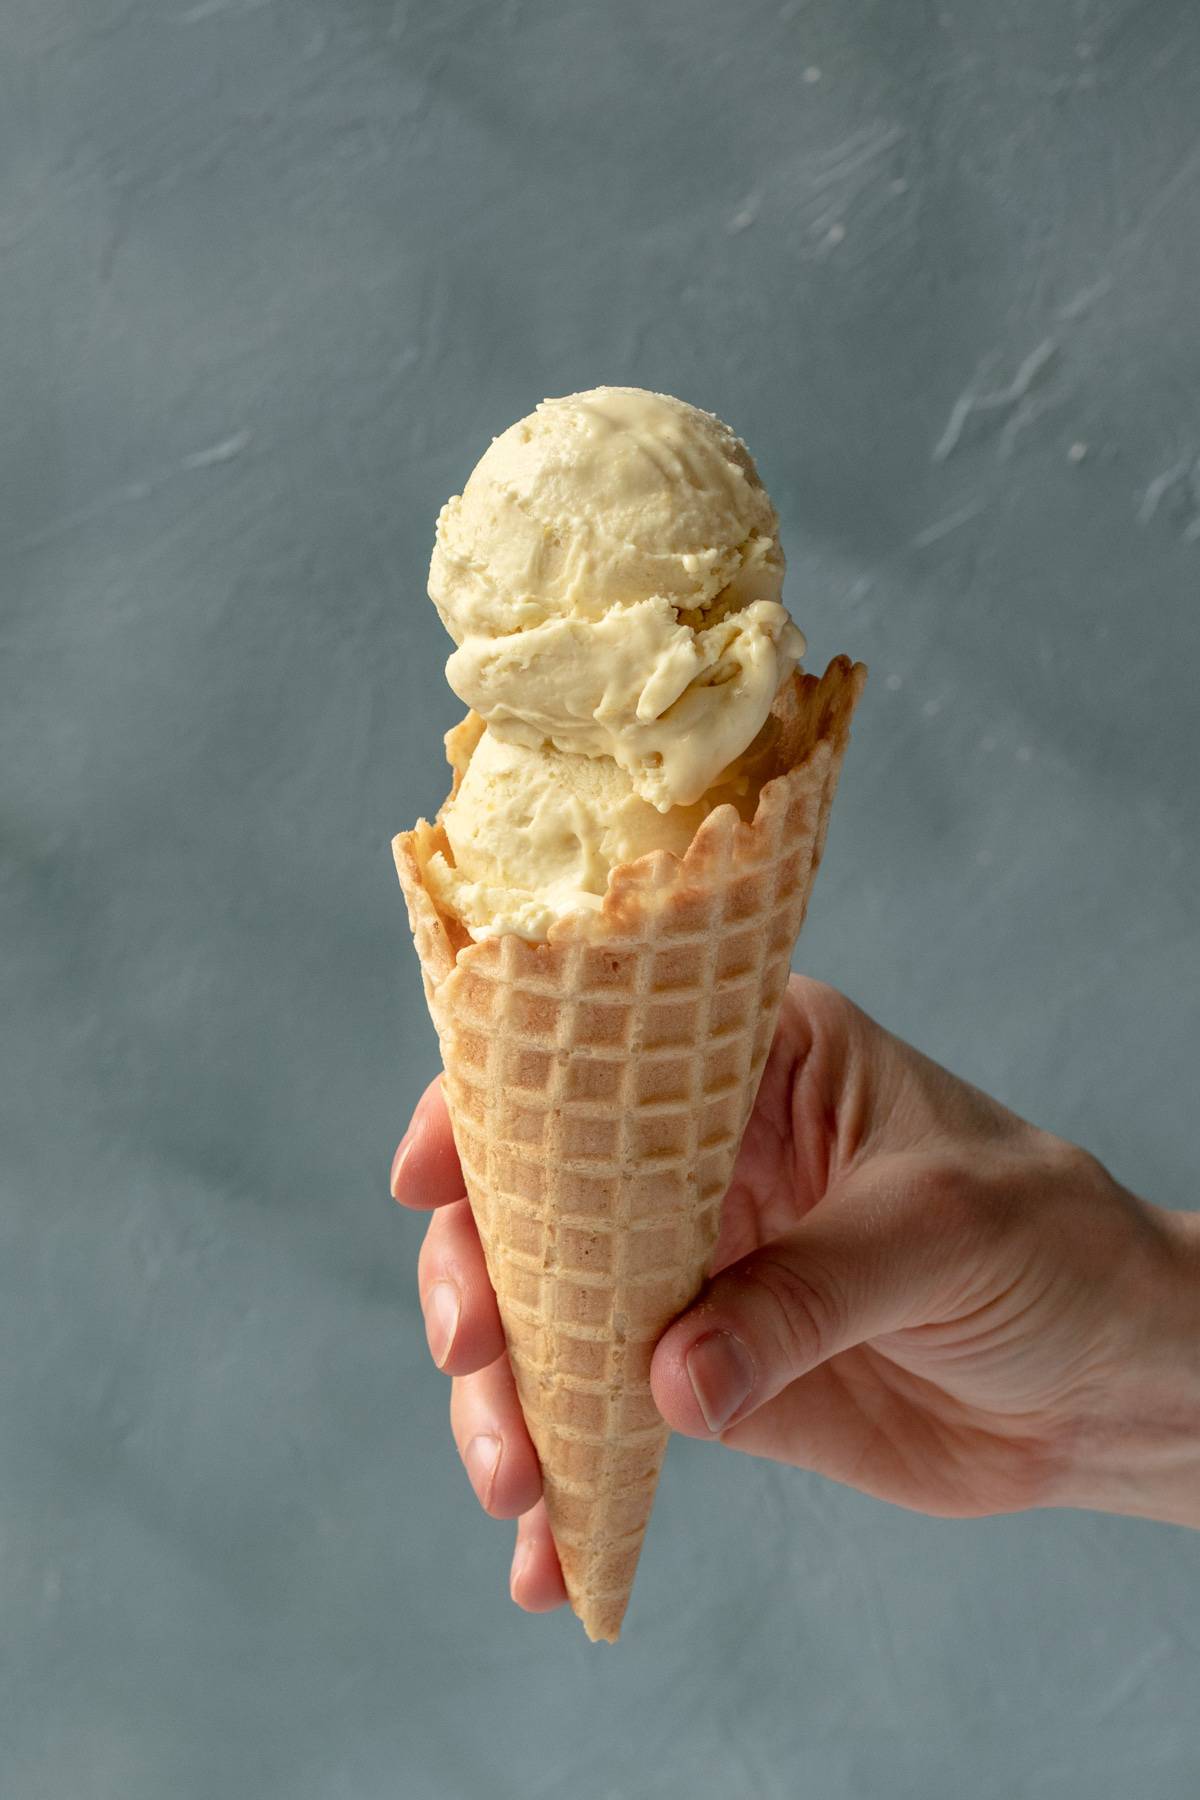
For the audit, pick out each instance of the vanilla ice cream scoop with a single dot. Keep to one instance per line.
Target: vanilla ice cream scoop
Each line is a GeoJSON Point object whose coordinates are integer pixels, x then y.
{"type": "Point", "coordinates": [534, 834]}
{"type": "Point", "coordinates": [611, 576]}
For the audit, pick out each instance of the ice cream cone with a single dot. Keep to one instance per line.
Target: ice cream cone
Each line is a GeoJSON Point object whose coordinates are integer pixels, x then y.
{"type": "Point", "coordinates": [599, 1084]}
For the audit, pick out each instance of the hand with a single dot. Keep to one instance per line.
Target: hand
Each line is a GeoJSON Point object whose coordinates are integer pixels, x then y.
{"type": "Point", "coordinates": [915, 1293]}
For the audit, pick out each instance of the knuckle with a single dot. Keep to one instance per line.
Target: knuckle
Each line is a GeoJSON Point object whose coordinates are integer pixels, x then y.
{"type": "Point", "coordinates": [800, 1314]}
{"type": "Point", "coordinates": [953, 1201]}
{"type": "Point", "coordinates": [827, 1011]}
{"type": "Point", "coordinates": [1071, 1164]}
{"type": "Point", "coordinates": [992, 1198]}
{"type": "Point", "coordinates": [948, 1194]}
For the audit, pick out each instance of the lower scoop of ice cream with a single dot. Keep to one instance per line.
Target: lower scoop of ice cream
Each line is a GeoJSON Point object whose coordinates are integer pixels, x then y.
{"type": "Point", "coordinates": [535, 833]}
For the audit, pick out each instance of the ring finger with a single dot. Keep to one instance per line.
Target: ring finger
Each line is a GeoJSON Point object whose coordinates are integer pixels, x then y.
{"type": "Point", "coordinates": [493, 1441]}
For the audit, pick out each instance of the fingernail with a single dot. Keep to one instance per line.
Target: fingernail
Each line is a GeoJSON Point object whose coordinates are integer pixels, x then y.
{"type": "Point", "coordinates": [482, 1457]}
{"type": "Point", "coordinates": [398, 1162]}
{"type": "Point", "coordinates": [442, 1307]}
{"type": "Point", "coordinates": [721, 1371]}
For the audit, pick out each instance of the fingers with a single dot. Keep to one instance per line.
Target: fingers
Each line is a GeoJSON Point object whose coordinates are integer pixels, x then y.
{"type": "Point", "coordinates": [425, 1171]}
{"type": "Point", "coordinates": [489, 1430]}
{"type": "Point", "coordinates": [885, 1251]}
{"type": "Point", "coordinates": [462, 1320]}
{"type": "Point", "coordinates": [536, 1582]}
{"type": "Point", "coordinates": [493, 1441]}
{"type": "Point", "coordinates": [462, 1324]}
{"type": "Point", "coordinates": [856, 1089]}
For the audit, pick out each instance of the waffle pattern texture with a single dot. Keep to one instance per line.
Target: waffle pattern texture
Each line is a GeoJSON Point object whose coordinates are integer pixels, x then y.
{"type": "Point", "coordinates": [599, 1085]}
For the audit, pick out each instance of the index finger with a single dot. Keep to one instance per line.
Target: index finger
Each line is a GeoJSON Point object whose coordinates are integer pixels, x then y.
{"type": "Point", "coordinates": [425, 1168]}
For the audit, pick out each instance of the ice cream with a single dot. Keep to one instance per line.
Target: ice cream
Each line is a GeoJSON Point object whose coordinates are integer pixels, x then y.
{"type": "Point", "coordinates": [535, 833]}
{"type": "Point", "coordinates": [611, 575]}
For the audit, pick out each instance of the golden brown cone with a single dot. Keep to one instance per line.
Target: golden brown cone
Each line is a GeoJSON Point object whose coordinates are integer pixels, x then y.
{"type": "Point", "coordinates": [599, 1085]}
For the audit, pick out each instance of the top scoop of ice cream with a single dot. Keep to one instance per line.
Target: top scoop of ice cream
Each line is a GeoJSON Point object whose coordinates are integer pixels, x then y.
{"type": "Point", "coordinates": [604, 499]}
{"type": "Point", "coordinates": [611, 575]}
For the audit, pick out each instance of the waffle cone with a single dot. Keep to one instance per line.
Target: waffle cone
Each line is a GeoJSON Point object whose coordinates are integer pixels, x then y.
{"type": "Point", "coordinates": [599, 1084]}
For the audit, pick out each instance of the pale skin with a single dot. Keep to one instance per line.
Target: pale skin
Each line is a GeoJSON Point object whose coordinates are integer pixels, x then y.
{"type": "Point", "coordinates": [914, 1293]}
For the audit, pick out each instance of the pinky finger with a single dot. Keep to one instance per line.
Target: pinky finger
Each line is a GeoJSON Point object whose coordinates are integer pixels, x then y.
{"type": "Point", "coordinates": [536, 1583]}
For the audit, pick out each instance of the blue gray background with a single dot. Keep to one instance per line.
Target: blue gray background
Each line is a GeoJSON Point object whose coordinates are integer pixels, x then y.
{"type": "Point", "coordinates": [271, 273]}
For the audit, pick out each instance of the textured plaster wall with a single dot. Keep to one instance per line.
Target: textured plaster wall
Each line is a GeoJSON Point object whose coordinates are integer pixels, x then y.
{"type": "Point", "coordinates": [271, 271]}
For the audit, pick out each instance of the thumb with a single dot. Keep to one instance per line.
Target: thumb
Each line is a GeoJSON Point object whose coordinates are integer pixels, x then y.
{"type": "Point", "coordinates": [891, 1246]}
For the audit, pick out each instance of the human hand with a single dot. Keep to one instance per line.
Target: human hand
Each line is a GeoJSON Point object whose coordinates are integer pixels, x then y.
{"type": "Point", "coordinates": [914, 1292]}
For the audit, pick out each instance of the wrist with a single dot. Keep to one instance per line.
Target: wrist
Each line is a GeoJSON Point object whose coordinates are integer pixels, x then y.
{"type": "Point", "coordinates": [1138, 1445]}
